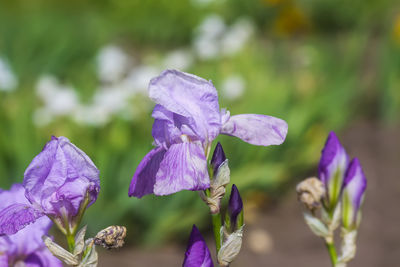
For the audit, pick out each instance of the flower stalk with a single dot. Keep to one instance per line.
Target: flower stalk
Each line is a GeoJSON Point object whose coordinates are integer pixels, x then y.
{"type": "Point", "coordinates": [335, 199]}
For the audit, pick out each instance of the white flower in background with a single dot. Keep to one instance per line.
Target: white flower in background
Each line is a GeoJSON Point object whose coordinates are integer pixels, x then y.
{"type": "Point", "coordinates": [207, 37]}
{"type": "Point", "coordinates": [8, 81]}
{"type": "Point", "coordinates": [139, 77]}
{"type": "Point", "coordinates": [91, 115]}
{"type": "Point", "coordinates": [178, 59]}
{"type": "Point", "coordinates": [112, 64]}
{"type": "Point", "coordinates": [58, 99]}
{"type": "Point", "coordinates": [212, 26]}
{"type": "Point", "coordinates": [233, 87]}
{"type": "Point", "coordinates": [112, 99]}
{"type": "Point", "coordinates": [213, 38]}
{"type": "Point", "coordinates": [237, 36]}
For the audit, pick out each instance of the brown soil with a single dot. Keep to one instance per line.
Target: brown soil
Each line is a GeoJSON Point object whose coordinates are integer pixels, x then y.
{"type": "Point", "coordinates": [285, 239]}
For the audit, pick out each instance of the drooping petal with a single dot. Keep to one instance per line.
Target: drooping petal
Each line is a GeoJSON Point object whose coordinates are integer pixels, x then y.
{"type": "Point", "coordinates": [255, 129]}
{"type": "Point", "coordinates": [218, 157]}
{"type": "Point", "coordinates": [145, 175]}
{"type": "Point", "coordinates": [189, 96]}
{"type": "Point", "coordinates": [17, 216]}
{"type": "Point", "coordinates": [197, 253]}
{"type": "Point", "coordinates": [184, 167]}
{"type": "Point", "coordinates": [332, 167]}
{"type": "Point", "coordinates": [235, 206]}
{"type": "Point", "coordinates": [355, 185]}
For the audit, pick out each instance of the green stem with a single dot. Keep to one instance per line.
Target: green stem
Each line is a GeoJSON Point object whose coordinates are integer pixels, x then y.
{"type": "Point", "coordinates": [332, 252]}
{"type": "Point", "coordinates": [216, 223]}
{"type": "Point", "coordinates": [71, 242]}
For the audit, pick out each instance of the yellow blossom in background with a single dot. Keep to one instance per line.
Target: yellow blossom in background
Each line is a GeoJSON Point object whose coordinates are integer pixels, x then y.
{"type": "Point", "coordinates": [396, 29]}
{"type": "Point", "coordinates": [291, 20]}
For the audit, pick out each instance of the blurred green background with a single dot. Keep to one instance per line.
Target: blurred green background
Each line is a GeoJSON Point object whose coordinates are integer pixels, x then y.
{"type": "Point", "coordinates": [80, 69]}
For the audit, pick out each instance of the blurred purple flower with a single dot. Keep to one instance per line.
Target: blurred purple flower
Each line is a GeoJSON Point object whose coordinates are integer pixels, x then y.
{"type": "Point", "coordinates": [235, 206]}
{"type": "Point", "coordinates": [187, 120]}
{"type": "Point", "coordinates": [26, 246]}
{"type": "Point", "coordinates": [197, 253]}
{"type": "Point", "coordinates": [331, 169]}
{"type": "Point", "coordinates": [61, 182]}
{"type": "Point", "coordinates": [218, 157]}
{"type": "Point", "coordinates": [355, 184]}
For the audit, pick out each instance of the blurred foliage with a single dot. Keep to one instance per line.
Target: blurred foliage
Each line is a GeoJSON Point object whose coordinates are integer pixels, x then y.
{"type": "Point", "coordinates": [317, 64]}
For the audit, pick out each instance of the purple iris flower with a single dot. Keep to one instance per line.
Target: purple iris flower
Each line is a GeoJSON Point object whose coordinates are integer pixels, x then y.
{"type": "Point", "coordinates": [187, 120]}
{"type": "Point", "coordinates": [355, 185]}
{"type": "Point", "coordinates": [197, 253]}
{"type": "Point", "coordinates": [332, 168]}
{"type": "Point", "coordinates": [61, 182]}
{"type": "Point", "coordinates": [26, 247]}
{"type": "Point", "coordinates": [235, 206]}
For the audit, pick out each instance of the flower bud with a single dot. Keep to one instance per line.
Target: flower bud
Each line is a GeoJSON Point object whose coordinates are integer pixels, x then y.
{"type": "Point", "coordinates": [331, 170]}
{"type": "Point", "coordinates": [221, 178]}
{"type": "Point", "coordinates": [111, 237]}
{"type": "Point", "coordinates": [310, 193]}
{"type": "Point", "coordinates": [235, 209]}
{"type": "Point", "coordinates": [197, 253]}
{"type": "Point", "coordinates": [353, 194]}
{"type": "Point", "coordinates": [218, 157]}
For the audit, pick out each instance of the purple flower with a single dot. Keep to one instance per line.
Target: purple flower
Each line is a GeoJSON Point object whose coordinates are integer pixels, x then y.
{"type": "Point", "coordinates": [235, 207]}
{"type": "Point", "coordinates": [26, 246]}
{"type": "Point", "coordinates": [218, 157]}
{"type": "Point", "coordinates": [355, 184]}
{"type": "Point", "coordinates": [61, 182]}
{"type": "Point", "coordinates": [332, 167]}
{"type": "Point", "coordinates": [197, 253]}
{"type": "Point", "coordinates": [187, 120]}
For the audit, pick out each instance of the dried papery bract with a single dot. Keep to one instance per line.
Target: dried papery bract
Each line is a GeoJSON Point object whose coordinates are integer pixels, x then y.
{"type": "Point", "coordinates": [310, 192]}
{"type": "Point", "coordinates": [111, 237]}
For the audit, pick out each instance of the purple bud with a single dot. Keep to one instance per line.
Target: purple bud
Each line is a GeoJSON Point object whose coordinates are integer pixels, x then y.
{"type": "Point", "coordinates": [355, 184]}
{"type": "Point", "coordinates": [332, 167]}
{"type": "Point", "coordinates": [62, 181]}
{"type": "Point", "coordinates": [235, 206]}
{"type": "Point", "coordinates": [218, 157]}
{"type": "Point", "coordinates": [197, 253]}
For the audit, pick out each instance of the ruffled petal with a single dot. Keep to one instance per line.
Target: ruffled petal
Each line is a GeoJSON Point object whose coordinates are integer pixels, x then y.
{"type": "Point", "coordinates": [256, 129]}
{"type": "Point", "coordinates": [184, 167]}
{"type": "Point", "coordinates": [16, 216]}
{"type": "Point", "coordinates": [145, 175]}
{"type": "Point", "coordinates": [189, 96]}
